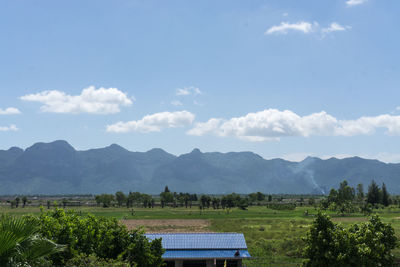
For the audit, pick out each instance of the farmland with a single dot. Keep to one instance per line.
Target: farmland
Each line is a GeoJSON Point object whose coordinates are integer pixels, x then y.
{"type": "Point", "coordinates": [274, 237]}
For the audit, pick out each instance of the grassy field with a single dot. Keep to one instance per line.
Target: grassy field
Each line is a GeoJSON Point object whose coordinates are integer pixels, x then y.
{"type": "Point", "coordinates": [273, 237]}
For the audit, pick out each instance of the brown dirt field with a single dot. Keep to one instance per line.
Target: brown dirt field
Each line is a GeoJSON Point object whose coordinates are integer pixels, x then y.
{"type": "Point", "coordinates": [169, 226]}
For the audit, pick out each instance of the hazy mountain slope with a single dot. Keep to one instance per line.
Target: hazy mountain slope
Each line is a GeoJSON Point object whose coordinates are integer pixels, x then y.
{"type": "Point", "coordinates": [56, 168]}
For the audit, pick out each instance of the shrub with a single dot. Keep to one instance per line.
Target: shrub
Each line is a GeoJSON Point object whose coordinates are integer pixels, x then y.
{"type": "Point", "coordinates": [367, 244]}
{"type": "Point", "coordinates": [103, 237]}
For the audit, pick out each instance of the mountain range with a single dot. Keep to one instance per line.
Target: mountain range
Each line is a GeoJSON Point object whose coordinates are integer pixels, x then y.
{"type": "Point", "coordinates": [57, 168]}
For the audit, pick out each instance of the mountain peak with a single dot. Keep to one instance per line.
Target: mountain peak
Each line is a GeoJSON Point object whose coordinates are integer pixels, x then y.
{"type": "Point", "coordinates": [116, 147]}
{"type": "Point", "coordinates": [196, 151]}
{"type": "Point", "coordinates": [57, 145]}
{"type": "Point", "coordinates": [15, 149]}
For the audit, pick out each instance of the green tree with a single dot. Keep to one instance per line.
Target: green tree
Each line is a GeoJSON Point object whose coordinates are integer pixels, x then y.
{"type": "Point", "coordinates": [252, 197]}
{"type": "Point", "coordinates": [166, 198]}
{"type": "Point", "coordinates": [385, 196]}
{"type": "Point", "coordinates": [120, 197]}
{"type": "Point", "coordinates": [373, 195]}
{"type": "Point", "coordinates": [134, 198]}
{"type": "Point", "coordinates": [360, 192]}
{"type": "Point", "coordinates": [21, 244]}
{"type": "Point", "coordinates": [333, 196]}
{"type": "Point", "coordinates": [260, 196]}
{"type": "Point", "coordinates": [345, 193]}
{"type": "Point", "coordinates": [24, 200]}
{"type": "Point", "coordinates": [106, 199]}
{"type": "Point", "coordinates": [365, 244]}
{"type": "Point", "coordinates": [17, 200]}
{"type": "Point", "coordinates": [104, 237]}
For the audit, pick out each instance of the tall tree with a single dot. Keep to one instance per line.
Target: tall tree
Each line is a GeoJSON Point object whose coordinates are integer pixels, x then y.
{"type": "Point", "coordinates": [120, 197]}
{"type": "Point", "coordinates": [17, 200]}
{"type": "Point", "coordinates": [385, 196]}
{"type": "Point", "coordinates": [345, 193]}
{"type": "Point", "coordinates": [373, 195]}
{"type": "Point", "coordinates": [24, 200]}
{"type": "Point", "coordinates": [360, 192]}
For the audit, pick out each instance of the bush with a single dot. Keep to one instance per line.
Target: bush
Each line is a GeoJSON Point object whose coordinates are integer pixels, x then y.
{"type": "Point", "coordinates": [103, 237]}
{"type": "Point", "coordinates": [83, 260]}
{"type": "Point", "coordinates": [367, 244]}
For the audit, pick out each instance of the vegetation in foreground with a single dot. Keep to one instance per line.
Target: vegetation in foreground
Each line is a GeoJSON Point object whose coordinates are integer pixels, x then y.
{"type": "Point", "coordinates": [275, 227]}
{"type": "Point", "coordinates": [59, 238]}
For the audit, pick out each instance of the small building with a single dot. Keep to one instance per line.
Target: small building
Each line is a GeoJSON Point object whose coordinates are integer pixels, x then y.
{"type": "Point", "coordinates": [202, 249]}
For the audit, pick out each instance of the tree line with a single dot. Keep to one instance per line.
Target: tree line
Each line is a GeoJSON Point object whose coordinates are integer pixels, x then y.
{"type": "Point", "coordinates": [347, 199]}
{"type": "Point", "coordinates": [174, 199]}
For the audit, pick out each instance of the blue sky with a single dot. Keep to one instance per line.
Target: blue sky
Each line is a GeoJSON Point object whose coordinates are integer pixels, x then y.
{"type": "Point", "coordinates": [281, 78]}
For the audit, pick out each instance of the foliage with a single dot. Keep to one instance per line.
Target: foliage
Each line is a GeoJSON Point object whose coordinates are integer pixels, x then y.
{"type": "Point", "coordinates": [21, 244]}
{"type": "Point", "coordinates": [256, 197]}
{"type": "Point", "coordinates": [385, 196]}
{"type": "Point", "coordinates": [142, 252]}
{"type": "Point", "coordinates": [106, 199]}
{"type": "Point", "coordinates": [373, 195]}
{"type": "Point", "coordinates": [120, 197]}
{"type": "Point", "coordinates": [360, 192]}
{"type": "Point", "coordinates": [83, 260]}
{"type": "Point", "coordinates": [104, 237]}
{"type": "Point", "coordinates": [366, 244]}
{"type": "Point", "coordinates": [340, 200]}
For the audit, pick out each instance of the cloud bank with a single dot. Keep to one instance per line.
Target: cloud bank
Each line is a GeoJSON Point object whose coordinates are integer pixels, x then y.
{"type": "Point", "coordinates": [306, 28]}
{"type": "Point", "coordinates": [284, 27]}
{"type": "Point", "coordinates": [91, 100]}
{"type": "Point", "coordinates": [154, 122]}
{"type": "Point", "coordinates": [334, 27]}
{"type": "Point", "coordinates": [273, 124]}
{"type": "Point", "coordinates": [190, 90]}
{"type": "Point", "coordinates": [9, 111]}
{"type": "Point", "coordinates": [11, 128]}
{"type": "Point", "coordinates": [355, 2]}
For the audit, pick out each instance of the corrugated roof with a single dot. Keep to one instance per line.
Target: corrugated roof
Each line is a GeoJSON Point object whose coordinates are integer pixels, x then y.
{"type": "Point", "coordinates": [205, 254]}
{"type": "Point", "coordinates": [200, 240]}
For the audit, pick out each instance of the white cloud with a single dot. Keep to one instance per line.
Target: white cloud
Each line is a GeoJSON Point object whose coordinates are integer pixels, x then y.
{"type": "Point", "coordinates": [9, 111]}
{"type": "Point", "coordinates": [154, 122]}
{"type": "Point", "coordinates": [12, 128]}
{"type": "Point", "coordinates": [284, 27]}
{"type": "Point", "coordinates": [398, 108]}
{"type": "Point", "coordinates": [306, 27]}
{"type": "Point", "coordinates": [189, 90]}
{"type": "Point", "coordinates": [176, 103]}
{"type": "Point", "coordinates": [272, 124]}
{"type": "Point", "coordinates": [334, 27]}
{"type": "Point", "coordinates": [91, 100]}
{"type": "Point", "coordinates": [355, 2]}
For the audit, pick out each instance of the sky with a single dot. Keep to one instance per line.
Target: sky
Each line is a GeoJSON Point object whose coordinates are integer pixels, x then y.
{"type": "Point", "coordinates": [281, 78]}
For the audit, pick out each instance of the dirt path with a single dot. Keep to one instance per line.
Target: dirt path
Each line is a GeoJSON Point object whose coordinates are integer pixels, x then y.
{"type": "Point", "coordinates": [169, 226]}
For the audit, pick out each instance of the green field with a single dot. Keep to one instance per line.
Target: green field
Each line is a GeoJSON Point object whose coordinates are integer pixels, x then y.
{"type": "Point", "coordinates": [273, 237]}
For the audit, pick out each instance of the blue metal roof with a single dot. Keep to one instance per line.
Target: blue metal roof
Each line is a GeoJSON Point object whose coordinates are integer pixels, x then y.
{"type": "Point", "coordinates": [200, 240]}
{"type": "Point", "coordinates": [205, 254]}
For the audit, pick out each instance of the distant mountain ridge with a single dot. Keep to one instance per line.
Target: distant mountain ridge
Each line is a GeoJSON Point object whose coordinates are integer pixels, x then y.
{"type": "Point", "coordinates": [57, 168]}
